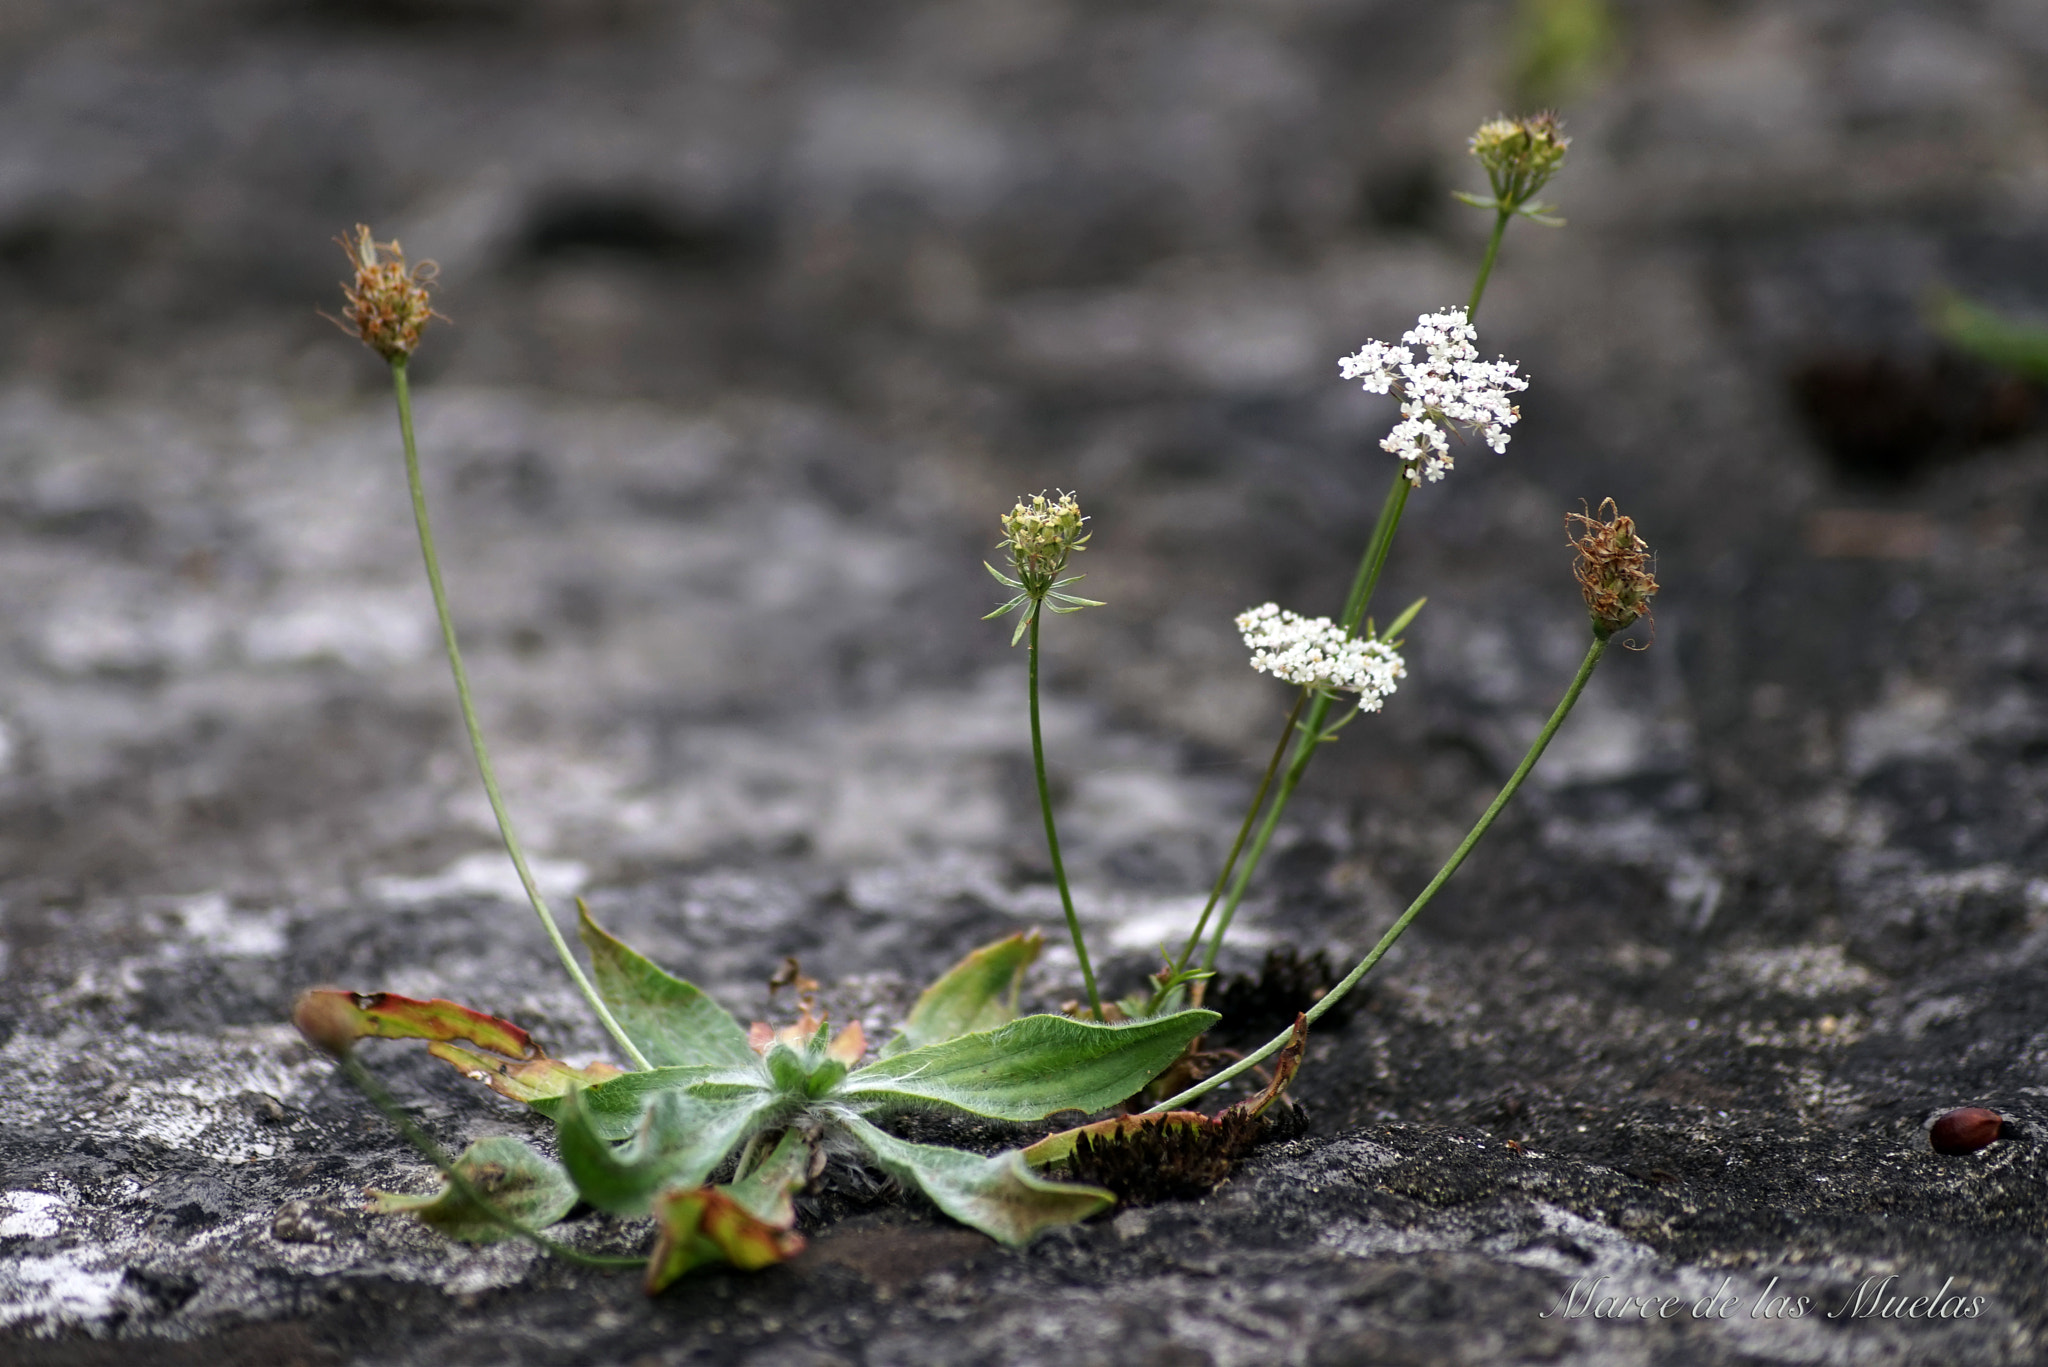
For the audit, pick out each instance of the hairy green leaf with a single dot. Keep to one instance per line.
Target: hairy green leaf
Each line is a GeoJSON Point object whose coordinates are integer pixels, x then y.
{"type": "Point", "coordinates": [681, 1139]}
{"type": "Point", "coordinates": [675, 1024]}
{"type": "Point", "coordinates": [614, 1108]}
{"type": "Point", "coordinates": [998, 1194]}
{"type": "Point", "coordinates": [1028, 1069]}
{"type": "Point", "coordinates": [518, 1183]}
{"type": "Point", "coordinates": [978, 993]}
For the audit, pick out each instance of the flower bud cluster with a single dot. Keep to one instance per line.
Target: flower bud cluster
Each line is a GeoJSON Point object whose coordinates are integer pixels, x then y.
{"type": "Point", "coordinates": [1041, 533]}
{"type": "Point", "coordinates": [1519, 155]}
{"type": "Point", "coordinates": [1449, 387]}
{"type": "Point", "coordinates": [1613, 569]}
{"type": "Point", "coordinates": [1317, 653]}
{"type": "Point", "coordinates": [388, 301]}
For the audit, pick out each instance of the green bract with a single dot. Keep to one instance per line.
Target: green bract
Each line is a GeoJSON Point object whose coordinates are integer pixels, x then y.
{"type": "Point", "coordinates": [648, 1142]}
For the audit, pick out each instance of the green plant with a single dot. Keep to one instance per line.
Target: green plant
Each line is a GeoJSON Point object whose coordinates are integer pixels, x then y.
{"type": "Point", "coordinates": [715, 1128]}
{"type": "Point", "coordinates": [647, 1142]}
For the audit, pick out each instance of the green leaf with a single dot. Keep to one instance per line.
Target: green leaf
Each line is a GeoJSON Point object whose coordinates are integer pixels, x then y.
{"type": "Point", "coordinates": [614, 1108]}
{"type": "Point", "coordinates": [998, 1194]}
{"type": "Point", "coordinates": [978, 993]}
{"type": "Point", "coordinates": [1001, 578]}
{"type": "Point", "coordinates": [1016, 602]}
{"type": "Point", "coordinates": [1028, 1069]}
{"type": "Point", "coordinates": [1476, 201]}
{"type": "Point", "coordinates": [681, 1139]}
{"type": "Point", "coordinates": [1996, 340]}
{"type": "Point", "coordinates": [1400, 624]}
{"type": "Point", "coordinates": [674, 1023]}
{"type": "Point", "coordinates": [746, 1223]}
{"type": "Point", "coordinates": [507, 1172]}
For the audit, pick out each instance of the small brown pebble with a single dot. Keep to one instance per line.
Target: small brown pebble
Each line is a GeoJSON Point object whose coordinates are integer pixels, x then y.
{"type": "Point", "coordinates": [1966, 1130]}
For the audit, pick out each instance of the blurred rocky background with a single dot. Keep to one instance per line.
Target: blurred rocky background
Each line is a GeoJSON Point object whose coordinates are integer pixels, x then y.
{"type": "Point", "coordinates": [760, 314]}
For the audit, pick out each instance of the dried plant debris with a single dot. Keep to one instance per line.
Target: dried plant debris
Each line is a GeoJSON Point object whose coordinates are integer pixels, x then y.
{"type": "Point", "coordinates": [1171, 1155]}
{"type": "Point", "coordinates": [1166, 1162]}
{"type": "Point", "coordinates": [1257, 1006]}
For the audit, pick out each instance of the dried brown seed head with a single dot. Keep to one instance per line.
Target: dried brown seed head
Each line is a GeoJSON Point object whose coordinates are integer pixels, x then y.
{"type": "Point", "coordinates": [1187, 1156]}
{"type": "Point", "coordinates": [1613, 569]}
{"type": "Point", "coordinates": [387, 303]}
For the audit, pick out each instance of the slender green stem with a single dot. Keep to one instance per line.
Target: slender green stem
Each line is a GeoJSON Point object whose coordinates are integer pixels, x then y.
{"type": "Point", "coordinates": [1500, 226]}
{"type": "Point", "coordinates": [1312, 734]}
{"type": "Point", "coordinates": [1355, 604]}
{"type": "Point", "coordinates": [1443, 875]}
{"type": "Point", "coordinates": [1375, 558]}
{"type": "Point", "coordinates": [1243, 830]}
{"type": "Point", "coordinates": [383, 1100]}
{"type": "Point", "coordinates": [476, 734]}
{"type": "Point", "coordinates": [1052, 835]}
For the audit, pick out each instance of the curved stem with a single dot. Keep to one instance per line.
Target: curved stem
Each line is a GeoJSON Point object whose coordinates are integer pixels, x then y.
{"type": "Point", "coordinates": [1258, 800]}
{"type": "Point", "coordinates": [476, 733]}
{"type": "Point", "coordinates": [1355, 604]}
{"type": "Point", "coordinates": [1500, 226]}
{"type": "Point", "coordinates": [1443, 875]}
{"type": "Point", "coordinates": [1362, 585]}
{"type": "Point", "coordinates": [1052, 835]}
{"type": "Point", "coordinates": [438, 1156]}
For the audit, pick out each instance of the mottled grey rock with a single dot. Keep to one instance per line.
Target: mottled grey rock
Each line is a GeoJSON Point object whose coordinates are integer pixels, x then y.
{"type": "Point", "coordinates": [762, 313]}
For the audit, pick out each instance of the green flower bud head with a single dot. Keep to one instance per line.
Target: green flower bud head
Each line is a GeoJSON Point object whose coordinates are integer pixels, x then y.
{"type": "Point", "coordinates": [1040, 533]}
{"type": "Point", "coordinates": [1519, 155]}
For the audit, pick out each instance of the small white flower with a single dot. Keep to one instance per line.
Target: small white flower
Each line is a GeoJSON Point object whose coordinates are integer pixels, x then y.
{"type": "Point", "coordinates": [1316, 652]}
{"type": "Point", "coordinates": [1450, 388]}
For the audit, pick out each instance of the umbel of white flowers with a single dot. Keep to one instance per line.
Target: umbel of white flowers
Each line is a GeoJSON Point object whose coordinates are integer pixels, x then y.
{"type": "Point", "coordinates": [1316, 652]}
{"type": "Point", "coordinates": [1449, 388]}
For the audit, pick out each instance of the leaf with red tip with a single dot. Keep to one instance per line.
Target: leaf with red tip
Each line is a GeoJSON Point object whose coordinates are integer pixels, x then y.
{"type": "Point", "coordinates": [327, 1015]}
{"type": "Point", "coordinates": [528, 1080]}
{"type": "Point", "coordinates": [746, 1224]}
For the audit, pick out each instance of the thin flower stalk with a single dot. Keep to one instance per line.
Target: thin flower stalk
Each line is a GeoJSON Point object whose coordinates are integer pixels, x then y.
{"type": "Point", "coordinates": [1519, 156]}
{"type": "Point", "coordinates": [387, 305]}
{"type": "Point", "coordinates": [1041, 533]}
{"type": "Point", "coordinates": [368, 1083]}
{"type": "Point", "coordinates": [1472, 838]}
{"type": "Point", "coordinates": [475, 727]}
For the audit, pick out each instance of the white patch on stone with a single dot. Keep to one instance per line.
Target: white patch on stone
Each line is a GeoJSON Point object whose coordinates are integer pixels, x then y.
{"type": "Point", "coordinates": [54, 1290]}
{"type": "Point", "coordinates": [212, 920]}
{"type": "Point", "coordinates": [362, 630]}
{"type": "Point", "coordinates": [31, 1214]}
{"type": "Point", "coordinates": [487, 873]}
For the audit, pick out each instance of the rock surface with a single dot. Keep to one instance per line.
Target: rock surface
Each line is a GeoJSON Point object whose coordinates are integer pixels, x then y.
{"type": "Point", "coordinates": [762, 314]}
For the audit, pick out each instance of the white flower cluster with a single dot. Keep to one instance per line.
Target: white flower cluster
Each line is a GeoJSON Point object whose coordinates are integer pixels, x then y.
{"type": "Point", "coordinates": [1316, 651]}
{"type": "Point", "coordinates": [1451, 385]}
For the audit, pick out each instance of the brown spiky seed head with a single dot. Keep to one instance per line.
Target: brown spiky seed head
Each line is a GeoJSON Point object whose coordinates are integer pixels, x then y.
{"type": "Point", "coordinates": [1040, 533]}
{"type": "Point", "coordinates": [1613, 568]}
{"type": "Point", "coordinates": [1520, 154]}
{"type": "Point", "coordinates": [387, 302]}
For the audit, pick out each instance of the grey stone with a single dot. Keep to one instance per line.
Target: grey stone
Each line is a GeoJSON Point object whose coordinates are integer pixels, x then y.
{"type": "Point", "coordinates": [761, 314]}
